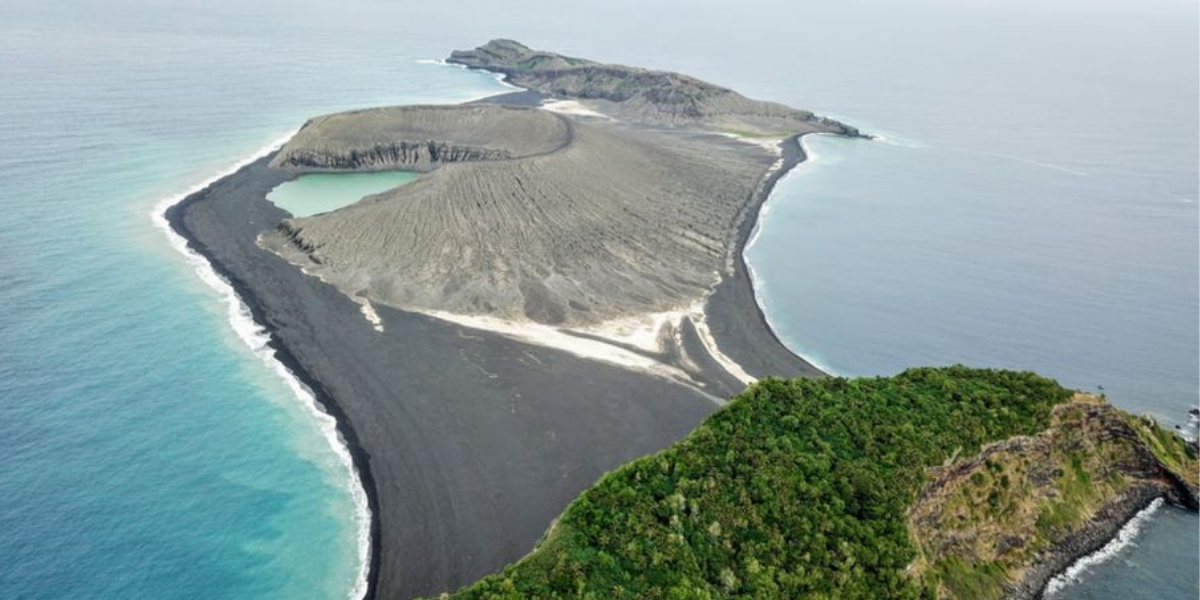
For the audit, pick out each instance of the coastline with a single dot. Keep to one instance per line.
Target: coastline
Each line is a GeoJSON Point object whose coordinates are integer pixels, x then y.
{"type": "Point", "coordinates": [524, 428]}
{"type": "Point", "coordinates": [1123, 539]}
{"type": "Point", "coordinates": [806, 158]}
{"type": "Point", "coordinates": [265, 344]}
{"type": "Point", "coordinates": [1109, 532]}
{"type": "Point", "coordinates": [762, 353]}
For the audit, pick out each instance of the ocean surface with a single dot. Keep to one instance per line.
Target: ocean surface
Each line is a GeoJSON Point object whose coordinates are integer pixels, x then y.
{"type": "Point", "coordinates": [1033, 205]}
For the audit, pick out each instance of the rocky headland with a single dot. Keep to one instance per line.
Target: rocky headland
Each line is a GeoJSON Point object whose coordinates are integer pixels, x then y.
{"type": "Point", "coordinates": [950, 483]}
{"type": "Point", "coordinates": [1001, 524]}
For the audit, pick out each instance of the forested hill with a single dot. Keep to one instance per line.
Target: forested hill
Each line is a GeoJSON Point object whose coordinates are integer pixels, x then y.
{"type": "Point", "coordinates": [809, 489]}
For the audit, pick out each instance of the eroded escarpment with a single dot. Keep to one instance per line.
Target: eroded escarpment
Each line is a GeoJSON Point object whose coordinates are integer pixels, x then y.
{"type": "Point", "coordinates": [616, 220]}
{"type": "Point", "coordinates": [1003, 523]}
{"type": "Point", "coordinates": [420, 137]}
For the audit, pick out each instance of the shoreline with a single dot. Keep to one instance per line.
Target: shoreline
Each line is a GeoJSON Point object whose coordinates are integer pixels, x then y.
{"type": "Point", "coordinates": [798, 155]}
{"type": "Point", "coordinates": [431, 533]}
{"type": "Point", "coordinates": [807, 157]}
{"type": "Point", "coordinates": [346, 445]}
{"type": "Point", "coordinates": [737, 287]}
{"type": "Point", "coordinates": [1110, 532]}
{"type": "Point", "coordinates": [1124, 538]}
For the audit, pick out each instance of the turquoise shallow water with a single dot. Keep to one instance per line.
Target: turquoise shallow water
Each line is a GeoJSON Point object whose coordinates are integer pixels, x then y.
{"type": "Point", "coordinates": [316, 193]}
{"type": "Point", "coordinates": [147, 451]}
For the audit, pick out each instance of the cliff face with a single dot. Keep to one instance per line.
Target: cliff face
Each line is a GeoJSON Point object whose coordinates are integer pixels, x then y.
{"type": "Point", "coordinates": [1001, 524]}
{"type": "Point", "coordinates": [397, 155]}
{"type": "Point", "coordinates": [420, 137]}
{"type": "Point", "coordinates": [655, 97]}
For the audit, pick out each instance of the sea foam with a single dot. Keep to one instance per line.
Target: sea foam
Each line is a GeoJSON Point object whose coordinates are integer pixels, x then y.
{"type": "Point", "coordinates": [257, 338]}
{"type": "Point", "coordinates": [1123, 540]}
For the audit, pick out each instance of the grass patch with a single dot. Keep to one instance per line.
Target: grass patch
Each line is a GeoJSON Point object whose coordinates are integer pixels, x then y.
{"type": "Point", "coordinates": [971, 582]}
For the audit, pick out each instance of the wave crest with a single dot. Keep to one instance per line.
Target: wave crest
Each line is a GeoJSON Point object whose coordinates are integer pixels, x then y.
{"type": "Point", "coordinates": [1123, 540]}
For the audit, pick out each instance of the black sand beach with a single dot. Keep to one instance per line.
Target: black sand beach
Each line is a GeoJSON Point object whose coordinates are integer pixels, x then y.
{"type": "Point", "coordinates": [734, 315]}
{"type": "Point", "coordinates": [468, 443]}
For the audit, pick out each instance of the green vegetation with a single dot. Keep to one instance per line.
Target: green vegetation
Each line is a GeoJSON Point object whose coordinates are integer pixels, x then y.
{"type": "Point", "coordinates": [1169, 448]}
{"type": "Point", "coordinates": [964, 580]}
{"type": "Point", "coordinates": [796, 489]}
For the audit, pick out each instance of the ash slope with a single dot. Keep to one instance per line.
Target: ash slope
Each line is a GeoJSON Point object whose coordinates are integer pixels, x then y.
{"type": "Point", "coordinates": [531, 215]}
{"type": "Point", "coordinates": [617, 222]}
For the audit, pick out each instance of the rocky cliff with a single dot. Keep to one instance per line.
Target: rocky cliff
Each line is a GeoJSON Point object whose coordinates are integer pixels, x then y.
{"type": "Point", "coordinates": [1002, 523]}
{"type": "Point", "coordinates": [417, 138]}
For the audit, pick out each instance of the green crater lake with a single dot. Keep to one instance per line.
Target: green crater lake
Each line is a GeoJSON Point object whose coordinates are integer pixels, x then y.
{"type": "Point", "coordinates": [317, 193]}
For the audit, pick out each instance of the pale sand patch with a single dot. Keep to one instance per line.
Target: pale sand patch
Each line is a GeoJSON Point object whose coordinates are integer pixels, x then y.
{"type": "Point", "coordinates": [368, 311]}
{"type": "Point", "coordinates": [558, 338]}
{"type": "Point", "coordinates": [572, 107]}
{"type": "Point", "coordinates": [642, 331]}
{"type": "Point", "coordinates": [769, 143]}
{"type": "Point", "coordinates": [645, 332]}
{"type": "Point", "coordinates": [710, 343]}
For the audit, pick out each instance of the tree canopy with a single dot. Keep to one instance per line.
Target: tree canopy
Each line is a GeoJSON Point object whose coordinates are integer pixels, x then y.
{"type": "Point", "coordinates": [796, 489]}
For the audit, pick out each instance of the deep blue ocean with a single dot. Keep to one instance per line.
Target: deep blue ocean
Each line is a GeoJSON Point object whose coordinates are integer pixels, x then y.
{"type": "Point", "coordinates": [1033, 205]}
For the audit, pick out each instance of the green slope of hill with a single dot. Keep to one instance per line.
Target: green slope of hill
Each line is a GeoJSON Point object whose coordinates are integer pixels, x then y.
{"type": "Point", "coordinates": [797, 489]}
